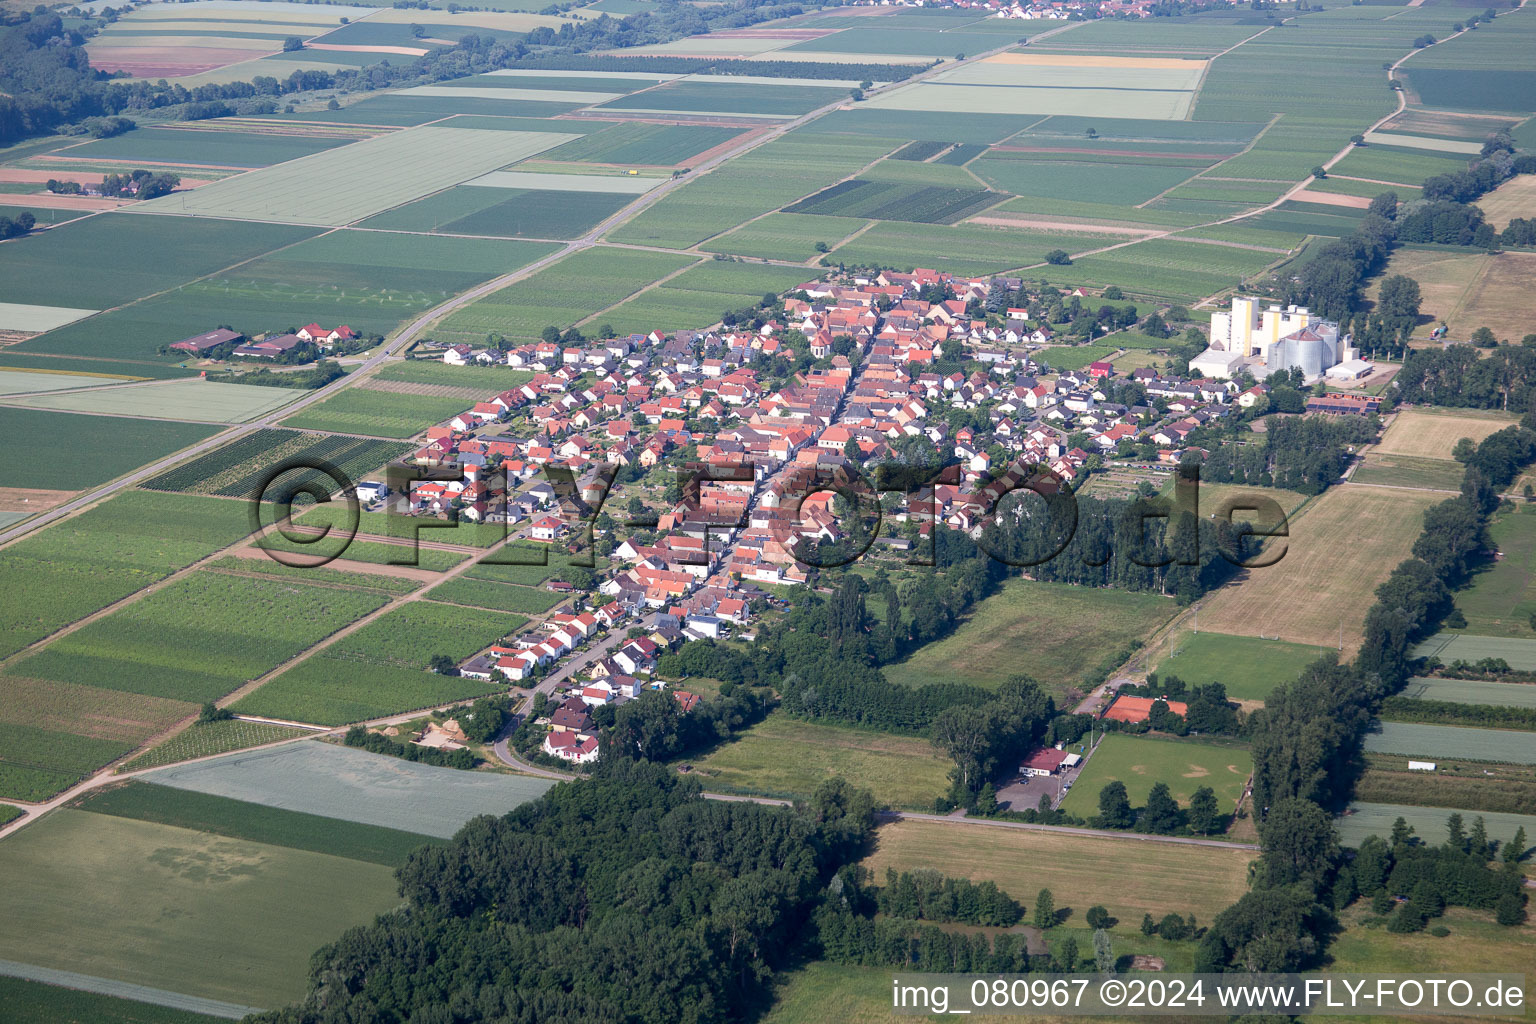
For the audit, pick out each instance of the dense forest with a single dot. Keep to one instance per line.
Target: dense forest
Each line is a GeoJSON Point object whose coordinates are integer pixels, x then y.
{"type": "Point", "coordinates": [623, 898]}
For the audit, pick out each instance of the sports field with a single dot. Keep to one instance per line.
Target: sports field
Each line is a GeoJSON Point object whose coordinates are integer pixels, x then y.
{"type": "Point", "coordinates": [1321, 589]}
{"type": "Point", "coordinates": [1471, 691]}
{"type": "Point", "coordinates": [1369, 819]}
{"type": "Point", "coordinates": [787, 757]}
{"type": "Point", "coordinates": [154, 905]}
{"type": "Point", "coordinates": [1062, 635]}
{"type": "Point", "coordinates": [1248, 667]}
{"type": "Point", "coordinates": [1450, 742]}
{"type": "Point", "coordinates": [1149, 878]}
{"type": "Point", "coordinates": [1501, 597]}
{"type": "Point", "coordinates": [343, 782]}
{"type": "Point", "coordinates": [351, 182]}
{"type": "Point", "coordinates": [1141, 762]}
{"type": "Point", "coordinates": [1430, 433]}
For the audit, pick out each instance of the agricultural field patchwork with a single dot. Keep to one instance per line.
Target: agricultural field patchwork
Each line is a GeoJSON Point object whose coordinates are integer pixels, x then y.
{"type": "Point", "coordinates": [700, 296]}
{"type": "Point", "coordinates": [343, 185]}
{"type": "Point", "coordinates": [382, 668]}
{"type": "Point", "coordinates": [889, 201]}
{"type": "Point", "coordinates": [505, 212]}
{"type": "Point", "coordinates": [238, 469]}
{"type": "Point", "coordinates": [1471, 691]}
{"type": "Point", "coordinates": [200, 637]}
{"type": "Point", "coordinates": [364, 411]}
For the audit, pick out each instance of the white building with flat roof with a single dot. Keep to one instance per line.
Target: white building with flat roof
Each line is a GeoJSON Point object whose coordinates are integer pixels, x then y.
{"type": "Point", "coordinates": [1266, 341]}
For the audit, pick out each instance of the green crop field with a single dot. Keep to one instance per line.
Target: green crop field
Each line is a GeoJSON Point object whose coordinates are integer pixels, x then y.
{"type": "Point", "coordinates": [361, 411]}
{"type": "Point", "coordinates": [382, 668]}
{"type": "Point", "coordinates": [431, 371]}
{"type": "Point", "coordinates": [393, 585]}
{"type": "Point", "coordinates": [1167, 268]}
{"type": "Point", "coordinates": [1248, 667]}
{"type": "Point", "coordinates": [404, 527]}
{"type": "Point", "coordinates": [1371, 819]}
{"type": "Point", "coordinates": [783, 756]}
{"type": "Point", "coordinates": [200, 637]}
{"type": "Point", "coordinates": [721, 97]}
{"type": "Point", "coordinates": [882, 200]}
{"type": "Point", "coordinates": [348, 784]}
{"type": "Point", "coordinates": [36, 763]}
{"type": "Point", "coordinates": [1505, 91]}
{"type": "Point", "coordinates": [32, 1002]}
{"type": "Point", "coordinates": [1519, 652]}
{"type": "Point", "coordinates": [966, 128]}
{"type": "Point", "coordinates": [190, 146]}
{"type": "Point", "coordinates": [1126, 184]}
{"type": "Point", "coordinates": [504, 212]}
{"type": "Point", "coordinates": [784, 236]}
{"type": "Point", "coordinates": [644, 144]}
{"type": "Point", "coordinates": [1062, 635]}
{"type": "Point", "coordinates": [962, 249]}
{"type": "Point", "coordinates": [1160, 879]}
{"type": "Point", "coordinates": [528, 575]}
{"type": "Point", "coordinates": [196, 400]}
{"type": "Point", "coordinates": [779, 172]}
{"type": "Point", "coordinates": [80, 264]}
{"type": "Point", "coordinates": [91, 560]}
{"type": "Point", "coordinates": [1387, 163]}
{"type": "Point", "coordinates": [258, 823]}
{"type": "Point", "coordinates": [699, 297]}
{"type": "Point", "coordinates": [87, 711]}
{"type": "Point", "coordinates": [1141, 762]}
{"type": "Point", "coordinates": [205, 739]}
{"type": "Point", "coordinates": [1452, 742]}
{"type": "Point", "coordinates": [235, 470]}
{"type": "Point", "coordinates": [105, 447]}
{"type": "Point", "coordinates": [560, 294]}
{"type": "Point", "coordinates": [90, 880]}
{"type": "Point", "coordinates": [1501, 597]}
{"type": "Point", "coordinates": [344, 184]}
{"type": "Point", "coordinates": [1471, 691]}
{"type": "Point", "coordinates": [501, 597]}
{"type": "Point", "coordinates": [314, 548]}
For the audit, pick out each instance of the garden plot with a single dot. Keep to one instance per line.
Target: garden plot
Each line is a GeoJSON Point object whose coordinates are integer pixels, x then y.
{"type": "Point", "coordinates": [623, 184]}
{"type": "Point", "coordinates": [30, 319]}
{"type": "Point", "coordinates": [342, 185]}
{"type": "Point", "coordinates": [354, 785]}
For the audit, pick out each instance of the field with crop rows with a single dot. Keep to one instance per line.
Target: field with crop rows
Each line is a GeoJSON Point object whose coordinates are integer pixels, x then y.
{"type": "Point", "coordinates": [204, 739]}
{"type": "Point", "coordinates": [1450, 742]}
{"type": "Point", "coordinates": [1471, 691]}
{"type": "Point", "coordinates": [238, 468]}
{"type": "Point", "coordinates": [1373, 819]}
{"type": "Point", "coordinates": [103, 447]}
{"type": "Point", "coordinates": [493, 379]}
{"type": "Point", "coordinates": [1119, 183]}
{"type": "Point", "coordinates": [200, 637]}
{"type": "Point", "coordinates": [88, 561]}
{"type": "Point", "coordinates": [779, 172]}
{"type": "Point", "coordinates": [36, 763]}
{"type": "Point", "coordinates": [700, 295]}
{"type": "Point", "coordinates": [784, 236]}
{"type": "Point", "coordinates": [342, 185]}
{"type": "Point", "coordinates": [659, 145]}
{"type": "Point", "coordinates": [361, 411]}
{"type": "Point", "coordinates": [1167, 268]}
{"type": "Point", "coordinates": [318, 550]}
{"type": "Point", "coordinates": [504, 212]}
{"type": "Point", "coordinates": [962, 248]}
{"type": "Point", "coordinates": [382, 668]}
{"type": "Point", "coordinates": [889, 201]}
{"type": "Point", "coordinates": [501, 597]}
{"type": "Point", "coordinates": [560, 294]}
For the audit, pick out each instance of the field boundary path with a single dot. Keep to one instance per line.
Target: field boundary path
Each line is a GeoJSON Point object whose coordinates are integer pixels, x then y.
{"type": "Point", "coordinates": [126, 990]}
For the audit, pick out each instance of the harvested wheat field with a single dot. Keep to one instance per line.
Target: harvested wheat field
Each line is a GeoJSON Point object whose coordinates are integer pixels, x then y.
{"type": "Point", "coordinates": [1432, 433]}
{"type": "Point", "coordinates": [1340, 548]}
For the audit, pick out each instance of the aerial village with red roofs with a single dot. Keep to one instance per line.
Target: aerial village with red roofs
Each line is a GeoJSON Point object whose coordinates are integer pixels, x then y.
{"type": "Point", "coordinates": [695, 559]}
